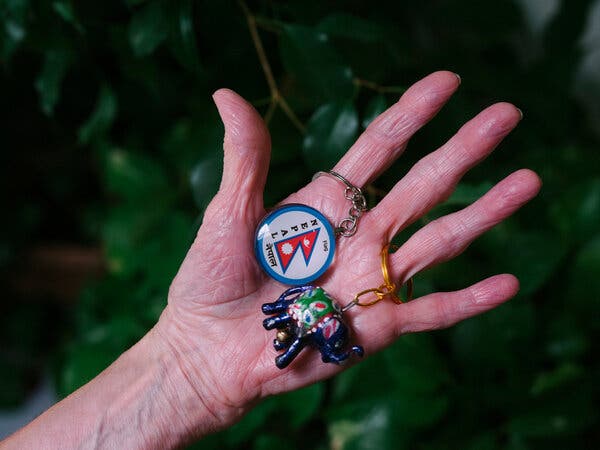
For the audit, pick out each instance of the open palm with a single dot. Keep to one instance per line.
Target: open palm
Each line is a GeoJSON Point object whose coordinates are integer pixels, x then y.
{"type": "Point", "coordinates": [213, 321]}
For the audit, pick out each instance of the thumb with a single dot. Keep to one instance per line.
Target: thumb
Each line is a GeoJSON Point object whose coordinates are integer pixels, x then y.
{"type": "Point", "coordinates": [247, 148]}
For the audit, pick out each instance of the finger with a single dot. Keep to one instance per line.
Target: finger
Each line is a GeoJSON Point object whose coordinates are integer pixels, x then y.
{"type": "Point", "coordinates": [386, 137]}
{"type": "Point", "coordinates": [438, 310]}
{"type": "Point", "coordinates": [448, 236]}
{"type": "Point", "coordinates": [433, 178]}
{"type": "Point", "coordinates": [442, 310]}
{"type": "Point", "coordinates": [246, 147]}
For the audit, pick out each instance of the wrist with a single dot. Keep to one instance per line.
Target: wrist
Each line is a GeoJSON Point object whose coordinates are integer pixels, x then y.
{"type": "Point", "coordinates": [172, 420]}
{"type": "Point", "coordinates": [142, 400]}
{"type": "Point", "coordinates": [189, 386]}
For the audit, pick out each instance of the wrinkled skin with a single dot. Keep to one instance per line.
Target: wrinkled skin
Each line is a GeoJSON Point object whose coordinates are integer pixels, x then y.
{"type": "Point", "coordinates": [213, 321]}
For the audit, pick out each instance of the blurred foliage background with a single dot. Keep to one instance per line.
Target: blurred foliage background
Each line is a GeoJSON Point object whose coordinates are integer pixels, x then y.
{"type": "Point", "coordinates": [111, 149]}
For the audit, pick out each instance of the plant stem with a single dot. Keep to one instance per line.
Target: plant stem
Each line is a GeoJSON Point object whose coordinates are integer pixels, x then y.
{"type": "Point", "coordinates": [276, 97]}
{"type": "Point", "coordinates": [378, 88]}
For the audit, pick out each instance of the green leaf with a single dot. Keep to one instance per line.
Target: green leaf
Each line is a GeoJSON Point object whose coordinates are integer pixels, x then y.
{"type": "Point", "coordinates": [484, 441]}
{"type": "Point", "coordinates": [266, 441]}
{"type": "Point", "coordinates": [516, 443]}
{"type": "Point", "coordinates": [196, 145]}
{"type": "Point", "coordinates": [381, 422]}
{"type": "Point", "coordinates": [351, 27]}
{"type": "Point", "coordinates": [329, 133]}
{"type": "Point", "coordinates": [13, 19]}
{"type": "Point", "coordinates": [283, 179]}
{"type": "Point", "coordinates": [376, 106]}
{"type": "Point", "coordinates": [205, 178]}
{"type": "Point", "coordinates": [314, 64]}
{"type": "Point", "coordinates": [301, 405]}
{"type": "Point", "coordinates": [297, 406]}
{"type": "Point", "coordinates": [373, 429]}
{"type": "Point", "coordinates": [254, 420]}
{"type": "Point", "coordinates": [568, 347]}
{"type": "Point", "coordinates": [485, 343]}
{"type": "Point", "coordinates": [546, 381]}
{"type": "Point", "coordinates": [101, 118]}
{"type": "Point", "coordinates": [412, 365]}
{"type": "Point", "coordinates": [119, 332]}
{"type": "Point", "coordinates": [83, 364]}
{"type": "Point", "coordinates": [134, 176]}
{"type": "Point", "coordinates": [149, 27]}
{"type": "Point", "coordinates": [192, 139]}
{"type": "Point", "coordinates": [410, 376]}
{"type": "Point", "coordinates": [415, 365]}
{"type": "Point", "coordinates": [183, 36]}
{"type": "Point", "coordinates": [149, 239]}
{"type": "Point", "coordinates": [105, 298]}
{"type": "Point", "coordinates": [97, 349]}
{"type": "Point", "coordinates": [286, 140]}
{"type": "Point", "coordinates": [560, 415]}
{"type": "Point", "coordinates": [65, 10]}
{"type": "Point", "coordinates": [583, 286]}
{"type": "Point", "coordinates": [124, 233]}
{"type": "Point", "coordinates": [163, 254]}
{"type": "Point", "coordinates": [525, 254]}
{"type": "Point", "coordinates": [48, 82]}
{"type": "Point", "coordinates": [577, 211]}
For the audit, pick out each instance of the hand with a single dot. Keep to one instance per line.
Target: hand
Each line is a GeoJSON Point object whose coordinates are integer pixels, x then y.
{"type": "Point", "coordinates": [213, 322]}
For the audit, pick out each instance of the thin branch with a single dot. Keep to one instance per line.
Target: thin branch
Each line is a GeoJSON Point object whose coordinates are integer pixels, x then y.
{"type": "Point", "coordinates": [276, 97]}
{"type": "Point", "coordinates": [274, 26]}
{"type": "Point", "coordinates": [262, 57]}
{"type": "Point", "coordinates": [291, 115]}
{"type": "Point", "coordinates": [262, 101]}
{"type": "Point", "coordinates": [270, 111]}
{"type": "Point", "coordinates": [378, 88]}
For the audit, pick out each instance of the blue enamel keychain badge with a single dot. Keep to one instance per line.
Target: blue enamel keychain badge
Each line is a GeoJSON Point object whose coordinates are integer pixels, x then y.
{"type": "Point", "coordinates": [295, 244]}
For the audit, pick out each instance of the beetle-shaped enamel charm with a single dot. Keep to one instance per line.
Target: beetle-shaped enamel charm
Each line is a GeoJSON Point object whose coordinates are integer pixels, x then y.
{"type": "Point", "coordinates": [308, 315]}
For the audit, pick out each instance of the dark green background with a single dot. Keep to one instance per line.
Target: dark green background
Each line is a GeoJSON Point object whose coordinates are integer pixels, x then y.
{"type": "Point", "coordinates": [110, 141]}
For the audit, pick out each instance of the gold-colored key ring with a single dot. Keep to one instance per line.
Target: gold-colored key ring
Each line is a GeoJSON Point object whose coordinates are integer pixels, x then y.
{"type": "Point", "coordinates": [391, 285]}
{"type": "Point", "coordinates": [388, 288]}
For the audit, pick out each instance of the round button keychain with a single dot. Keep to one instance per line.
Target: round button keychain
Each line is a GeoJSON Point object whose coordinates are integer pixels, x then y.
{"type": "Point", "coordinates": [295, 243]}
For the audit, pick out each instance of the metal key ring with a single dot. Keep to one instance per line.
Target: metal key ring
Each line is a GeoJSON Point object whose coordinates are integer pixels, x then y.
{"type": "Point", "coordinates": [347, 226]}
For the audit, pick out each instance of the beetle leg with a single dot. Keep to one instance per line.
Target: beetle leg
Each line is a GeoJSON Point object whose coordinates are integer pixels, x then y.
{"type": "Point", "coordinates": [276, 307]}
{"type": "Point", "coordinates": [284, 300]}
{"type": "Point", "coordinates": [337, 358]}
{"type": "Point", "coordinates": [283, 360]}
{"type": "Point", "coordinates": [280, 321]}
{"type": "Point", "coordinates": [281, 345]}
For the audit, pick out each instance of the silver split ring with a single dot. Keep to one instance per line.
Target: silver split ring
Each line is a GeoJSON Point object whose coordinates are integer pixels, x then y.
{"type": "Point", "coordinates": [347, 226]}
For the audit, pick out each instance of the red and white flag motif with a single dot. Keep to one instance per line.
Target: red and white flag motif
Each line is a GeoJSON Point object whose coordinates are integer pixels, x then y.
{"type": "Point", "coordinates": [287, 249]}
{"type": "Point", "coordinates": [330, 327]}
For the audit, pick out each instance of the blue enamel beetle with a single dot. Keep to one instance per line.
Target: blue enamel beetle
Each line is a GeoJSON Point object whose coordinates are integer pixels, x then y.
{"type": "Point", "coordinates": [308, 315]}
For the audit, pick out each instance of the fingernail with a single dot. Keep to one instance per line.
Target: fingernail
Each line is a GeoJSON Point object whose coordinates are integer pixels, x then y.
{"type": "Point", "coordinates": [520, 112]}
{"type": "Point", "coordinates": [459, 78]}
